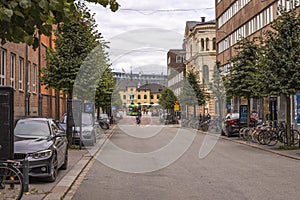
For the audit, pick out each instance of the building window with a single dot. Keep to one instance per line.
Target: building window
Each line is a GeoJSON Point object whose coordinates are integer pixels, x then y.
{"type": "Point", "coordinates": [34, 78]}
{"type": "Point", "coordinates": [205, 74]}
{"type": "Point", "coordinates": [21, 73]}
{"type": "Point", "coordinates": [28, 75]}
{"type": "Point", "coordinates": [145, 96]}
{"type": "Point", "coordinates": [178, 59]}
{"type": "Point", "coordinates": [124, 97]}
{"type": "Point", "coordinates": [202, 44]}
{"type": "Point", "coordinates": [214, 43]}
{"type": "Point", "coordinates": [2, 66]}
{"type": "Point", "coordinates": [151, 96]}
{"type": "Point", "coordinates": [207, 44]}
{"type": "Point", "coordinates": [157, 96]}
{"type": "Point", "coordinates": [12, 70]}
{"type": "Point", "coordinates": [139, 96]}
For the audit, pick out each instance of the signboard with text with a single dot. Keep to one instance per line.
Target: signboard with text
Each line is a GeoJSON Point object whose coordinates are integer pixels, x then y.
{"type": "Point", "coordinates": [243, 113]}
{"type": "Point", "coordinates": [298, 107]}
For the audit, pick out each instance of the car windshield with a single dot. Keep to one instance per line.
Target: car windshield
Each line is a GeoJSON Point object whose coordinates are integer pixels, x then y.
{"type": "Point", "coordinates": [87, 119]}
{"type": "Point", "coordinates": [234, 116]}
{"type": "Point", "coordinates": [36, 128]}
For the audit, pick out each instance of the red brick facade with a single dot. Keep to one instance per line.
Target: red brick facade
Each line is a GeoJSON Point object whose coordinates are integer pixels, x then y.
{"type": "Point", "coordinates": [41, 102]}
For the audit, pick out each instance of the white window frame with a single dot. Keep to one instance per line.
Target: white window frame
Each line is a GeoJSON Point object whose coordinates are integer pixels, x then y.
{"type": "Point", "coordinates": [34, 78]}
{"type": "Point", "coordinates": [2, 66]}
{"type": "Point", "coordinates": [178, 59]}
{"type": "Point", "coordinates": [21, 73]}
{"type": "Point", "coordinates": [12, 70]}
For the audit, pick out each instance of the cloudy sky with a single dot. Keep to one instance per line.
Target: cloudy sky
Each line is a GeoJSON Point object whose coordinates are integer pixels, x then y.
{"type": "Point", "coordinates": [141, 32]}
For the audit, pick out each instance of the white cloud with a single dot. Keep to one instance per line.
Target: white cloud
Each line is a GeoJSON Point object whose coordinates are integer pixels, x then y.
{"type": "Point", "coordinates": [165, 21]}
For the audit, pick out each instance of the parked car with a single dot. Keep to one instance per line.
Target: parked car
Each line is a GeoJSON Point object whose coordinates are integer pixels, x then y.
{"type": "Point", "coordinates": [89, 129]}
{"type": "Point", "coordinates": [45, 145]}
{"type": "Point", "coordinates": [231, 124]}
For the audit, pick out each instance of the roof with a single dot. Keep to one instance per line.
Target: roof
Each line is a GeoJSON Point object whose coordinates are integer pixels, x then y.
{"type": "Point", "coordinates": [191, 24]}
{"type": "Point", "coordinates": [153, 87]}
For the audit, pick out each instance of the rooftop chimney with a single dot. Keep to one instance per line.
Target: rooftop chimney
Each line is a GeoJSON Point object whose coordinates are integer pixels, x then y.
{"type": "Point", "coordinates": [202, 19]}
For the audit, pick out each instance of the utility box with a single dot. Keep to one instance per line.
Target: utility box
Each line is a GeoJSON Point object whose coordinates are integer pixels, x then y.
{"type": "Point", "coordinates": [6, 123]}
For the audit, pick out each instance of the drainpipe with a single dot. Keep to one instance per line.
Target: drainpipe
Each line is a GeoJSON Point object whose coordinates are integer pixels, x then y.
{"type": "Point", "coordinates": [27, 95]}
{"type": "Point", "coordinates": [40, 100]}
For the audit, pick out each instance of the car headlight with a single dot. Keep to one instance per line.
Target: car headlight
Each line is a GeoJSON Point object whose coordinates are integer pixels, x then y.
{"type": "Point", "coordinates": [41, 154]}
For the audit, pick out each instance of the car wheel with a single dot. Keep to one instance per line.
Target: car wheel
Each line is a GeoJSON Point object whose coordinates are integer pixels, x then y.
{"type": "Point", "coordinates": [65, 165]}
{"type": "Point", "coordinates": [53, 169]}
{"type": "Point", "coordinates": [228, 134]}
{"type": "Point", "coordinates": [222, 132]}
{"type": "Point", "coordinates": [104, 126]}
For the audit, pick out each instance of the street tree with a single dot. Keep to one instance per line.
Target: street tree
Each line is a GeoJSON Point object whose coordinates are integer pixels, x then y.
{"type": "Point", "coordinates": [281, 60]}
{"type": "Point", "coordinates": [243, 77]}
{"type": "Point", "coordinates": [104, 91]}
{"type": "Point", "coordinates": [73, 44]}
{"type": "Point", "coordinates": [24, 20]}
{"type": "Point", "coordinates": [74, 41]}
{"type": "Point", "coordinates": [167, 99]}
{"type": "Point", "coordinates": [192, 94]}
{"type": "Point", "coordinates": [218, 89]}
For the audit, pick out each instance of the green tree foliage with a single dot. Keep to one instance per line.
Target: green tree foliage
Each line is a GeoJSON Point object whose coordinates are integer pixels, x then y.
{"type": "Point", "coordinates": [21, 20]}
{"type": "Point", "coordinates": [74, 42]}
{"type": "Point", "coordinates": [79, 57]}
{"type": "Point", "coordinates": [243, 77]}
{"type": "Point", "coordinates": [167, 98]}
{"type": "Point", "coordinates": [218, 90]}
{"type": "Point", "coordinates": [105, 90]}
{"type": "Point", "coordinates": [116, 99]}
{"type": "Point", "coordinates": [281, 59]}
{"type": "Point", "coordinates": [192, 92]}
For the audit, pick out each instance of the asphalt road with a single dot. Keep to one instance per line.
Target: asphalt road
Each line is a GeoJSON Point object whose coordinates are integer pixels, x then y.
{"type": "Point", "coordinates": [229, 171]}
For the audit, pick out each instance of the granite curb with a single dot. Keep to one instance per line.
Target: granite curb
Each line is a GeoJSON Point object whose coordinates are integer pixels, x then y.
{"type": "Point", "coordinates": [62, 187]}
{"type": "Point", "coordinates": [293, 154]}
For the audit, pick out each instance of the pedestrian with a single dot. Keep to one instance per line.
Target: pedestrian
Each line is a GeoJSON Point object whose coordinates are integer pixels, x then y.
{"type": "Point", "coordinates": [139, 117]}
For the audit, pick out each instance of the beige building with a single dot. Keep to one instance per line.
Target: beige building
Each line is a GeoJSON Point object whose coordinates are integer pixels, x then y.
{"type": "Point", "coordinates": [200, 46]}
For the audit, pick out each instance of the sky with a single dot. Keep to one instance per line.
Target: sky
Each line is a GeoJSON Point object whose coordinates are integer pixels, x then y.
{"type": "Point", "coordinates": [141, 32]}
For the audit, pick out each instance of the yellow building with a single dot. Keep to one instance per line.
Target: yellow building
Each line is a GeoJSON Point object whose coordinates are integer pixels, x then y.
{"type": "Point", "coordinates": [147, 94]}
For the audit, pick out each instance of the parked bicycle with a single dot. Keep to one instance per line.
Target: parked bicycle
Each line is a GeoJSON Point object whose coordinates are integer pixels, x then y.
{"type": "Point", "coordinates": [11, 180]}
{"type": "Point", "coordinates": [278, 133]}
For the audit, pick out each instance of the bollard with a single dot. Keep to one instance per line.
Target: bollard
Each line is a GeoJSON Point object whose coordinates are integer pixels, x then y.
{"type": "Point", "coordinates": [26, 175]}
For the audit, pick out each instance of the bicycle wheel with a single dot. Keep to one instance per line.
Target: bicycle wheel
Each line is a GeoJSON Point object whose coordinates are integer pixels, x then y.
{"type": "Point", "coordinates": [247, 134]}
{"type": "Point", "coordinates": [271, 138]}
{"type": "Point", "coordinates": [261, 135]}
{"type": "Point", "coordinates": [11, 183]}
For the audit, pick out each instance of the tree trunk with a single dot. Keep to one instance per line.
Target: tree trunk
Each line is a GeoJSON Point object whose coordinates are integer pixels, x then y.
{"type": "Point", "coordinates": [288, 119]}
{"type": "Point", "coordinates": [248, 110]}
{"type": "Point", "coordinates": [57, 104]}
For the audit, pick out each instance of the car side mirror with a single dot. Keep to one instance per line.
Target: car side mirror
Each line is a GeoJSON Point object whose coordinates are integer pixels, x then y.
{"type": "Point", "coordinates": [61, 133]}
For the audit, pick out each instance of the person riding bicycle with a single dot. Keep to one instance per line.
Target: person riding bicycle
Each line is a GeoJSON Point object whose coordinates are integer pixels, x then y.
{"type": "Point", "coordinates": [138, 117]}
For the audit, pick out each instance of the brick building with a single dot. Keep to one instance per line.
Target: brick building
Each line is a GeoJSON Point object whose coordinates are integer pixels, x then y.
{"type": "Point", "coordinates": [247, 18]}
{"type": "Point", "coordinates": [20, 69]}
